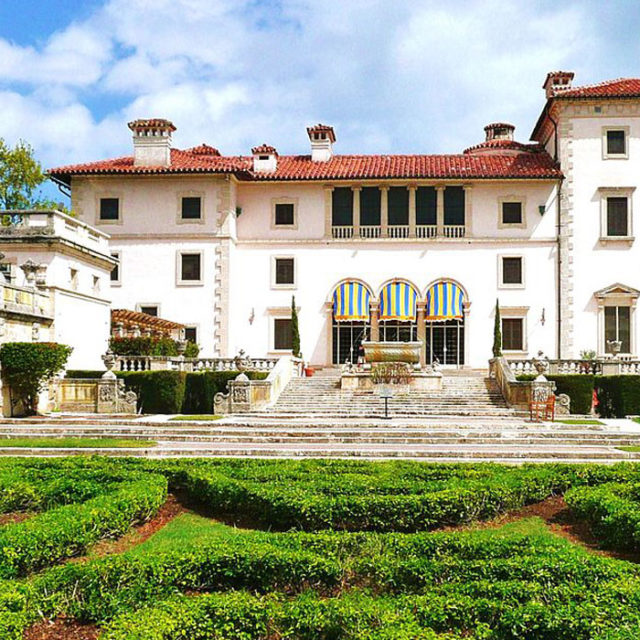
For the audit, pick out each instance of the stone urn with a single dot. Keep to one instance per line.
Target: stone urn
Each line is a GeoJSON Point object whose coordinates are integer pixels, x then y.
{"type": "Point", "coordinates": [109, 360]}
{"type": "Point", "coordinates": [541, 365]}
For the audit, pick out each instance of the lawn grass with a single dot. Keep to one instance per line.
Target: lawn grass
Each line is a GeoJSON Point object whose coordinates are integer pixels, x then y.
{"type": "Point", "coordinates": [590, 421]}
{"type": "Point", "coordinates": [203, 417]}
{"type": "Point", "coordinates": [76, 443]}
{"type": "Point", "coordinates": [185, 531]}
{"type": "Point", "coordinates": [631, 449]}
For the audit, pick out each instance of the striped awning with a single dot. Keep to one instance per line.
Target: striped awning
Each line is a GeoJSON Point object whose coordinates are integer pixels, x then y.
{"type": "Point", "coordinates": [398, 302]}
{"type": "Point", "coordinates": [351, 302]}
{"type": "Point", "coordinates": [444, 302]}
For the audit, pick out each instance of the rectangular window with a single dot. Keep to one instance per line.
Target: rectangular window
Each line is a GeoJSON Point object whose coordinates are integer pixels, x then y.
{"type": "Point", "coordinates": [192, 208]}
{"type": "Point", "coordinates": [6, 272]}
{"type": "Point", "coordinates": [191, 334]}
{"type": "Point", "coordinates": [512, 213]}
{"type": "Point", "coordinates": [370, 207]}
{"type": "Point", "coordinates": [426, 206]}
{"type": "Point", "coordinates": [398, 206]}
{"type": "Point", "coordinates": [190, 270]}
{"type": "Point", "coordinates": [284, 271]}
{"type": "Point", "coordinates": [616, 142]}
{"type": "Point", "coordinates": [282, 336]}
{"type": "Point", "coordinates": [512, 334]}
{"type": "Point", "coordinates": [512, 271]}
{"type": "Point", "coordinates": [109, 209]}
{"type": "Point", "coordinates": [150, 310]}
{"type": "Point", "coordinates": [284, 214]}
{"type": "Point", "coordinates": [617, 216]}
{"type": "Point", "coordinates": [617, 327]}
{"type": "Point", "coordinates": [96, 284]}
{"type": "Point", "coordinates": [73, 278]}
{"type": "Point", "coordinates": [115, 272]}
{"type": "Point", "coordinates": [342, 207]}
{"type": "Point", "coordinates": [454, 206]}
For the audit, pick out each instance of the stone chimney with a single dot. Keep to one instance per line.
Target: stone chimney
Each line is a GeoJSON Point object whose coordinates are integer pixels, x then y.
{"type": "Point", "coordinates": [265, 158]}
{"type": "Point", "coordinates": [499, 131]}
{"type": "Point", "coordinates": [152, 142]}
{"type": "Point", "coordinates": [557, 81]}
{"type": "Point", "coordinates": [322, 137]}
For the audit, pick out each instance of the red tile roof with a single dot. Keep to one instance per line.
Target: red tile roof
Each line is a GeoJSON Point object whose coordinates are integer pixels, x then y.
{"type": "Point", "coordinates": [264, 148]}
{"type": "Point", "coordinates": [322, 128]}
{"type": "Point", "coordinates": [151, 123]}
{"type": "Point", "coordinates": [620, 88]}
{"type": "Point", "coordinates": [203, 150]}
{"type": "Point", "coordinates": [498, 145]}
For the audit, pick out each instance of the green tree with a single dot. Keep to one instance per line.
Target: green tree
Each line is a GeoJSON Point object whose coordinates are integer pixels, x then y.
{"type": "Point", "coordinates": [20, 176]}
{"type": "Point", "coordinates": [28, 366]}
{"type": "Point", "coordinates": [295, 330]}
{"type": "Point", "coordinates": [497, 333]}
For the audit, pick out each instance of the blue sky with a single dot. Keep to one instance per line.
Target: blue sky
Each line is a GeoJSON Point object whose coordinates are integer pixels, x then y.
{"type": "Point", "coordinates": [392, 76]}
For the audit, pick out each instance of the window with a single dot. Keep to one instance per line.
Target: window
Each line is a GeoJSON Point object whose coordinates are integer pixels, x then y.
{"type": "Point", "coordinates": [73, 278]}
{"type": "Point", "coordinates": [454, 204]}
{"type": "Point", "coordinates": [370, 207]}
{"type": "Point", "coordinates": [115, 272]}
{"type": "Point", "coordinates": [284, 271]}
{"type": "Point", "coordinates": [512, 334]}
{"type": "Point", "coordinates": [398, 206]}
{"type": "Point", "coordinates": [615, 142]}
{"type": "Point", "coordinates": [282, 335]}
{"type": "Point", "coordinates": [426, 206]}
{"type": "Point", "coordinates": [512, 213]}
{"type": "Point", "coordinates": [6, 272]}
{"type": "Point", "coordinates": [149, 309]}
{"type": "Point", "coordinates": [191, 208]}
{"type": "Point", "coordinates": [342, 207]}
{"type": "Point", "coordinates": [512, 271]}
{"type": "Point", "coordinates": [617, 216]}
{"type": "Point", "coordinates": [190, 267]}
{"type": "Point", "coordinates": [96, 284]}
{"type": "Point", "coordinates": [109, 209]}
{"type": "Point", "coordinates": [284, 214]}
{"type": "Point", "coordinates": [191, 334]}
{"type": "Point", "coordinates": [617, 328]}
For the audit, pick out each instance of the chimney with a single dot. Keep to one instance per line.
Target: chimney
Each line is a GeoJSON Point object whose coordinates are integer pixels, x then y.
{"type": "Point", "coordinates": [322, 137]}
{"type": "Point", "coordinates": [557, 81]}
{"type": "Point", "coordinates": [152, 142]}
{"type": "Point", "coordinates": [499, 131]}
{"type": "Point", "coordinates": [265, 158]}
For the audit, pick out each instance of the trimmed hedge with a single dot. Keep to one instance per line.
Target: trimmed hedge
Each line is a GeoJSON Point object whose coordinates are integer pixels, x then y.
{"type": "Point", "coordinates": [578, 387]}
{"type": "Point", "coordinates": [618, 396]}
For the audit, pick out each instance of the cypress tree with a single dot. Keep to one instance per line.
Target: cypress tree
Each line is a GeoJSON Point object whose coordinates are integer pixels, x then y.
{"type": "Point", "coordinates": [497, 333]}
{"type": "Point", "coordinates": [295, 330]}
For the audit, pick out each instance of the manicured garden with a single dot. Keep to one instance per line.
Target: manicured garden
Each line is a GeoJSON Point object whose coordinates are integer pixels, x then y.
{"type": "Point", "coordinates": [317, 549]}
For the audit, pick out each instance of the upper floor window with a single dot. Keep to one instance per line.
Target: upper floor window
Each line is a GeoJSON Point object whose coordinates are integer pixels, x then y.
{"type": "Point", "coordinates": [398, 206]}
{"type": "Point", "coordinates": [513, 334]}
{"type": "Point", "coordinates": [284, 214]}
{"type": "Point", "coordinates": [115, 272]}
{"type": "Point", "coordinates": [283, 272]}
{"type": "Point", "coordinates": [6, 272]}
{"type": "Point", "coordinates": [370, 207]}
{"type": "Point", "coordinates": [342, 207]}
{"type": "Point", "coordinates": [618, 216]}
{"type": "Point", "coordinates": [454, 206]}
{"type": "Point", "coordinates": [191, 208]}
{"type": "Point", "coordinates": [191, 334]}
{"type": "Point", "coordinates": [73, 278]}
{"type": "Point", "coordinates": [190, 268]}
{"type": "Point", "coordinates": [149, 309]}
{"type": "Point", "coordinates": [511, 213]}
{"type": "Point", "coordinates": [282, 334]}
{"type": "Point", "coordinates": [109, 209]}
{"type": "Point", "coordinates": [615, 142]}
{"type": "Point", "coordinates": [511, 271]}
{"type": "Point", "coordinates": [96, 284]}
{"type": "Point", "coordinates": [617, 328]}
{"type": "Point", "coordinates": [426, 206]}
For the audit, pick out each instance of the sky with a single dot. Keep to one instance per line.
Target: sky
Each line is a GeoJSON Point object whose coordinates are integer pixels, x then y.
{"type": "Point", "coordinates": [391, 76]}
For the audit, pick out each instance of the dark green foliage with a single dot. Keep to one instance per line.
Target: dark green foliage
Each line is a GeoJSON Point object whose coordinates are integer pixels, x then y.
{"type": "Point", "coordinates": [144, 346]}
{"type": "Point", "coordinates": [579, 387]}
{"type": "Point", "coordinates": [497, 332]}
{"type": "Point", "coordinates": [618, 396]}
{"type": "Point", "coordinates": [295, 330]}
{"type": "Point", "coordinates": [201, 389]}
{"type": "Point", "coordinates": [83, 373]}
{"type": "Point", "coordinates": [28, 366]}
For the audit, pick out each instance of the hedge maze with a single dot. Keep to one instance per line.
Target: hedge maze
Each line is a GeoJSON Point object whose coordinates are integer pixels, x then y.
{"type": "Point", "coordinates": [325, 550]}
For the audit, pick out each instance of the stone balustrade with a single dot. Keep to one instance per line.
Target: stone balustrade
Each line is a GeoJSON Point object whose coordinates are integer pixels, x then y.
{"type": "Point", "coordinates": [608, 366]}
{"type": "Point", "coordinates": [25, 300]}
{"type": "Point", "coordinates": [179, 363]}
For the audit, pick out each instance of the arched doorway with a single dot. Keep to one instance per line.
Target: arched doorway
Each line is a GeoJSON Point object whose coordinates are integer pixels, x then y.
{"type": "Point", "coordinates": [398, 309]}
{"type": "Point", "coordinates": [351, 320]}
{"type": "Point", "coordinates": [444, 324]}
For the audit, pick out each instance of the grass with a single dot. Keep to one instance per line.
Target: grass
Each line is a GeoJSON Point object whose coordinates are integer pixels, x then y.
{"type": "Point", "coordinates": [629, 449]}
{"type": "Point", "coordinates": [590, 421]}
{"type": "Point", "coordinates": [75, 443]}
{"type": "Point", "coordinates": [186, 530]}
{"type": "Point", "coordinates": [203, 417]}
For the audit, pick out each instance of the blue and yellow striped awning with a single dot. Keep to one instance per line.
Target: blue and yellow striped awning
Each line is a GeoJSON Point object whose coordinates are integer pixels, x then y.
{"type": "Point", "coordinates": [444, 301]}
{"type": "Point", "coordinates": [398, 302]}
{"type": "Point", "coordinates": [351, 302]}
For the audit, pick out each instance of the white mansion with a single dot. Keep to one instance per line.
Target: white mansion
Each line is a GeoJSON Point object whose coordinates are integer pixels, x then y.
{"type": "Point", "coordinates": [390, 247]}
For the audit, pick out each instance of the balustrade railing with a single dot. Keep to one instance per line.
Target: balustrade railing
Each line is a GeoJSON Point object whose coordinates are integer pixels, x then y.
{"type": "Point", "coordinates": [574, 367]}
{"type": "Point", "coordinates": [454, 231]}
{"type": "Point", "coordinates": [178, 363]}
{"type": "Point", "coordinates": [133, 363]}
{"type": "Point", "coordinates": [370, 231]}
{"type": "Point", "coordinates": [398, 231]}
{"type": "Point", "coordinates": [426, 231]}
{"type": "Point", "coordinates": [27, 300]}
{"type": "Point", "coordinates": [342, 232]}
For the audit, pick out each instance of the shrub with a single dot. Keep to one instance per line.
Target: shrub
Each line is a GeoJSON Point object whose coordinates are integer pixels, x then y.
{"type": "Point", "coordinates": [144, 346]}
{"type": "Point", "coordinates": [201, 389]}
{"type": "Point", "coordinates": [28, 366]}
{"type": "Point", "coordinates": [618, 396]}
{"type": "Point", "coordinates": [579, 387]}
{"type": "Point", "coordinates": [158, 391]}
{"type": "Point", "coordinates": [83, 373]}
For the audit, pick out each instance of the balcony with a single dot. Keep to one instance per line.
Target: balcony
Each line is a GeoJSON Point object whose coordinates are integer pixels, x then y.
{"type": "Point", "coordinates": [454, 230]}
{"type": "Point", "coordinates": [426, 231]}
{"type": "Point", "coordinates": [400, 232]}
{"type": "Point", "coordinates": [370, 231]}
{"type": "Point", "coordinates": [342, 232]}
{"type": "Point", "coordinates": [25, 301]}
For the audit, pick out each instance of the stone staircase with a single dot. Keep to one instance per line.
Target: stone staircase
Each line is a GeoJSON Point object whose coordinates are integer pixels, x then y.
{"type": "Point", "coordinates": [464, 393]}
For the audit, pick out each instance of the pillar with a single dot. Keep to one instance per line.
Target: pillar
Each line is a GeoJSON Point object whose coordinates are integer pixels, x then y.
{"type": "Point", "coordinates": [467, 209]}
{"type": "Point", "coordinates": [384, 211]}
{"type": "Point", "coordinates": [356, 211]}
{"type": "Point", "coordinates": [440, 211]}
{"type": "Point", "coordinates": [328, 191]}
{"type": "Point", "coordinates": [375, 327]}
{"type": "Point", "coordinates": [412, 210]}
{"type": "Point", "coordinates": [422, 332]}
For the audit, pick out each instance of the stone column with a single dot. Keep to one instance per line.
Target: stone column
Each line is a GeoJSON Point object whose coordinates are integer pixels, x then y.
{"type": "Point", "coordinates": [412, 210]}
{"type": "Point", "coordinates": [440, 211]}
{"type": "Point", "coordinates": [375, 328]}
{"type": "Point", "coordinates": [465, 310]}
{"type": "Point", "coordinates": [384, 211]}
{"type": "Point", "coordinates": [422, 332]}
{"type": "Point", "coordinates": [467, 209]}
{"type": "Point", "coordinates": [356, 211]}
{"type": "Point", "coordinates": [328, 191]}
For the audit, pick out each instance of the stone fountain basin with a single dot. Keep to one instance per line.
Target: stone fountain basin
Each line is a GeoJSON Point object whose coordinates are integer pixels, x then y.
{"type": "Point", "coordinates": [408, 352]}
